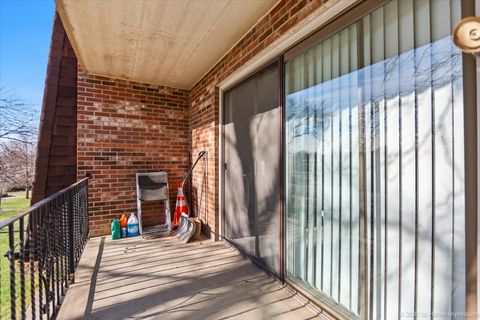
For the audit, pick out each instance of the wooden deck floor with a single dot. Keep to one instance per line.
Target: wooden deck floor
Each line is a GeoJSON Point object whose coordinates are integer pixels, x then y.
{"type": "Point", "coordinates": [166, 279]}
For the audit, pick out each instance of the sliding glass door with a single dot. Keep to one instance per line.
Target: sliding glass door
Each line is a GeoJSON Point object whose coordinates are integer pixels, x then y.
{"type": "Point", "coordinates": [252, 133]}
{"type": "Point", "coordinates": [374, 138]}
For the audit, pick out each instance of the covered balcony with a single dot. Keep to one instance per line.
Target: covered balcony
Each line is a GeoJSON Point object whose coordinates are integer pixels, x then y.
{"type": "Point", "coordinates": [126, 92]}
{"type": "Point", "coordinates": [337, 177]}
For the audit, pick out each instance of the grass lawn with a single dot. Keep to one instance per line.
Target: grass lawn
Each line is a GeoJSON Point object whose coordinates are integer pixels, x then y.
{"type": "Point", "coordinates": [10, 207]}
{"type": "Point", "coordinates": [13, 205]}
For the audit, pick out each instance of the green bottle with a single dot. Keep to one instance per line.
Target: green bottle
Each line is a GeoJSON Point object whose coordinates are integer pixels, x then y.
{"type": "Point", "coordinates": [115, 229]}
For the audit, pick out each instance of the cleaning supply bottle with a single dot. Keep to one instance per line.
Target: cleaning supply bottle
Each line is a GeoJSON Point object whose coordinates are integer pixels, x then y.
{"type": "Point", "coordinates": [123, 225]}
{"type": "Point", "coordinates": [132, 226]}
{"type": "Point", "coordinates": [115, 229]}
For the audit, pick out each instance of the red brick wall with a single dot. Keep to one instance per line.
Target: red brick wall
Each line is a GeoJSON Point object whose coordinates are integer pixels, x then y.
{"type": "Point", "coordinates": [56, 148]}
{"type": "Point", "coordinates": [124, 128]}
{"type": "Point", "coordinates": [204, 96]}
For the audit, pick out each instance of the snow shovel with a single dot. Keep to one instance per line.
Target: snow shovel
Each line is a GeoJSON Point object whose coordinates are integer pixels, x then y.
{"type": "Point", "coordinates": [188, 228]}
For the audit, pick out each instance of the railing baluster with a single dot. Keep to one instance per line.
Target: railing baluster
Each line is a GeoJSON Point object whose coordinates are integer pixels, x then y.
{"type": "Point", "coordinates": [64, 248]}
{"type": "Point", "coordinates": [84, 206]}
{"type": "Point", "coordinates": [71, 255]}
{"type": "Point", "coordinates": [54, 251]}
{"type": "Point", "coordinates": [60, 246]}
{"type": "Point", "coordinates": [32, 246]}
{"type": "Point", "coordinates": [77, 237]}
{"type": "Point", "coordinates": [40, 249]}
{"type": "Point", "coordinates": [56, 247]}
{"type": "Point", "coordinates": [22, 267]}
{"type": "Point", "coordinates": [67, 248]}
{"type": "Point", "coordinates": [11, 258]}
{"type": "Point", "coordinates": [47, 265]}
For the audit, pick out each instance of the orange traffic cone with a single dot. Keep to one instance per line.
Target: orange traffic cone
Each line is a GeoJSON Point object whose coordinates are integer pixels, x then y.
{"type": "Point", "coordinates": [181, 205]}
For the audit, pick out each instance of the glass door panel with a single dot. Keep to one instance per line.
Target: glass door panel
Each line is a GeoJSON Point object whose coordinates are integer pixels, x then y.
{"type": "Point", "coordinates": [389, 84]}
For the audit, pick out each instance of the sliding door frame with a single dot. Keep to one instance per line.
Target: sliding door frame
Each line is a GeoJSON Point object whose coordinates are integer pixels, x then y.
{"type": "Point", "coordinates": [471, 99]}
{"type": "Point", "coordinates": [280, 275]}
{"type": "Point", "coordinates": [281, 92]}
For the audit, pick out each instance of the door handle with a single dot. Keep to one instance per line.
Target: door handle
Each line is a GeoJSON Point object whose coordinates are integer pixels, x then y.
{"type": "Point", "coordinates": [247, 188]}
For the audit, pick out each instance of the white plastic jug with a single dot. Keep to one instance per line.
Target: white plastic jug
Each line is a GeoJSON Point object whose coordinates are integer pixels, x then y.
{"type": "Point", "coordinates": [132, 226]}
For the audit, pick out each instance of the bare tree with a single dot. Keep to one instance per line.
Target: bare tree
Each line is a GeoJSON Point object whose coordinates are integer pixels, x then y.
{"type": "Point", "coordinates": [17, 161]}
{"type": "Point", "coordinates": [17, 118]}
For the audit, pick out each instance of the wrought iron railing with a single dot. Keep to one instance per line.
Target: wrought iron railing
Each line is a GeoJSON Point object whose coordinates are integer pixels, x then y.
{"type": "Point", "coordinates": [44, 247]}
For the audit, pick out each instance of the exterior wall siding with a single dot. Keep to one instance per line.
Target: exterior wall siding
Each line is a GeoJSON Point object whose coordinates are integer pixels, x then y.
{"type": "Point", "coordinates": [204, 96]}
{"type": "Point", "coordinates": [56, 148]}
{"type": "Point", "coordinates": [124, 128]}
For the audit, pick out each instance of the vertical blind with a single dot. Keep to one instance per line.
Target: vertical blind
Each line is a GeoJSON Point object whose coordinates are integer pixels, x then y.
{"type": "Point", "coordinates": [389, 84]}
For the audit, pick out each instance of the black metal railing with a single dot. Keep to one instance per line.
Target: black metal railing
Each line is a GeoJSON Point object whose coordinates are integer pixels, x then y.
{"type": "Point", "coordinates": [45, 243]}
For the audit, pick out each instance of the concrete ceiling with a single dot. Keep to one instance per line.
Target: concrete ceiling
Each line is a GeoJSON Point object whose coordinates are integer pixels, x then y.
{"type": "Point", "coordinates": [168, 42]}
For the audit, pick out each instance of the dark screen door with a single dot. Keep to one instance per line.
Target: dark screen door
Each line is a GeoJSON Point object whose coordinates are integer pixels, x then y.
{"type": "Point", "coordinates": [252, 131]}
